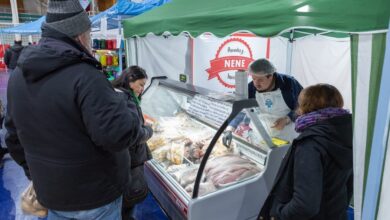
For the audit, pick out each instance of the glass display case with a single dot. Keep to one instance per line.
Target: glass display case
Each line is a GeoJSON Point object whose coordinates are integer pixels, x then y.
{"type": "Point", "coordinates": [193, 174]}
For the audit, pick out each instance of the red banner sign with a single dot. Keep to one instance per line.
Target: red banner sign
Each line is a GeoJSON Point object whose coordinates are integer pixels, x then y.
{"type": "Point", "coordinates": [233, 54]}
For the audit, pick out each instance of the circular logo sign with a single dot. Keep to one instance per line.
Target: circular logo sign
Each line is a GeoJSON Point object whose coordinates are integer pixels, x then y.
{"type": "Point", "coordinates": [233, 54]}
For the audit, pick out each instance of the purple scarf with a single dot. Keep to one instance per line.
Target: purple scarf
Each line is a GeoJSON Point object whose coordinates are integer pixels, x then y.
{"type": "Point", "coordinates": [312, 118]}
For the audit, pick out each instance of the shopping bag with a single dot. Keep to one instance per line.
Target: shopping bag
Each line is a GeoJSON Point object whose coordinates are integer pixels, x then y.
{"type": "Point", "coordinates": [30, 204]}
{"type": "Point", "coordinates": [138, 190]}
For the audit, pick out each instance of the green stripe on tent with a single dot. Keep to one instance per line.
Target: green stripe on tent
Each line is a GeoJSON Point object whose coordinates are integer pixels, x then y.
{"type": "Point", "coordinates": [354, 57]}
{"type": "Point", "coordinates": [377, 58]}
{"type": "Point", "coordinates": [383, 169]}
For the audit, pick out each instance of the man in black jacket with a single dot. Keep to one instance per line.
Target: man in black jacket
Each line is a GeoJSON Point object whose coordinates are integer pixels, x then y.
{"type": "Point", "coordinates": [11, 55]}
{"type": "Point", "coordinates": [66, 125]}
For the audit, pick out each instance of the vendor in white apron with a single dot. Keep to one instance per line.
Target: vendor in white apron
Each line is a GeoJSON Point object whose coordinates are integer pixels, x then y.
{"type": "Point", "coordinates": [277, 96]}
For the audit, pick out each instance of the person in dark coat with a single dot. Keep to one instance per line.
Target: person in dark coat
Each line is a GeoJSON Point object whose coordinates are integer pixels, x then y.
{"type": "Point", "coordinates": [3, 151]}
{"type": "Point", "coordinates": [66, 126]}
{"type": "Point", "coordinates": [12, 54]}
{"type": "Point", "coordinates": [315, 180]}
{"type": "Point", "coordinates": [130, 85]}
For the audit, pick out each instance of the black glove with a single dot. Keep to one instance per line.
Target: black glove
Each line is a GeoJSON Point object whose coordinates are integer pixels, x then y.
{"type": "Point", "coordinates": [227, 138]}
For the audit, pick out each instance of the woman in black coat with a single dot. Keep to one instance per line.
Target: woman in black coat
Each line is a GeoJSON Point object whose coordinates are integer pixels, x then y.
{"type": "Point", "coordinates": [315, 179]}
{"type": "Point", "coordinates": [130, 85]}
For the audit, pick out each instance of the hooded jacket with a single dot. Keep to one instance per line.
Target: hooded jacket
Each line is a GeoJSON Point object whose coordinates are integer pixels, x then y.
{"type": "Point", "coordinates": [67, 126]}
{"type": "Point", "coordinates": [12, 54]}
{"type": "Point", "coordinates": [315, 179]}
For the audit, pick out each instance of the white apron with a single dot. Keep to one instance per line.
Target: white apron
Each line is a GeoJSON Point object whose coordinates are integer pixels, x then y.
{"type": "Point", "coordinates": [272, 107]}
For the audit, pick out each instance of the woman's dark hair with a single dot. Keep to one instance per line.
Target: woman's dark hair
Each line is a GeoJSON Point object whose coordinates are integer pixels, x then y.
{"type": "Point", "coordinates": [317, 97]}
{"type": "Point", "coordinates": [131, 74]}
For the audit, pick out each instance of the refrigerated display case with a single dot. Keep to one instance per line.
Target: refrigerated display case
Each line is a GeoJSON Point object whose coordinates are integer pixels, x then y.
{"type": "Point", "coordinates": [193, 175]}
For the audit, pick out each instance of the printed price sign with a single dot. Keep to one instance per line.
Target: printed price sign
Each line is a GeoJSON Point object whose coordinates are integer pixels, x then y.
{"type": "Point", "coordinates": [211, 110]}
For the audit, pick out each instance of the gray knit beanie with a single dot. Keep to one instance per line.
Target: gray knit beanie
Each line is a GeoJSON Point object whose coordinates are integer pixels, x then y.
{"type": "Point", "coordinates": [68, 17]}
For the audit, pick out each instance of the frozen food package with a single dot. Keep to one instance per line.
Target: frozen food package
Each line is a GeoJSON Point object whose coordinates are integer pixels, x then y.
{"type": "Point", "coordinates": [156, 141]}
{"type": "Point", "coordinates": [180, 174]}
{"type": "Point", "coordinates": [225, 170]}
{"type": "Point", "coordinates": [160, 154]}
{"type": "Point", "coordinates": [188, 177]}
{"type": "Point", "coordinates": [176, 152]}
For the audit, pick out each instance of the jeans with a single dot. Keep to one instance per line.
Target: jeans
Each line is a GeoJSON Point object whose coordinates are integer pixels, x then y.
{"type": "Point", "coordinates": [111, 211]}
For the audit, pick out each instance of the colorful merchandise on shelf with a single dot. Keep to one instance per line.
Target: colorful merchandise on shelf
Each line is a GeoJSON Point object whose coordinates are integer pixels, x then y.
{"type": "Point", "coordinates": [109, 60]}
{"type": "Point", "coordinates": [115, 60]}
{"type": "Point", "coordinates": [95, 44]}
{"type": "Point", "coordinates": [103, 60]}
{"type": "Point", "coordinates": [109, 44]}
{"type": "Point", "coordinates": [107, 53]}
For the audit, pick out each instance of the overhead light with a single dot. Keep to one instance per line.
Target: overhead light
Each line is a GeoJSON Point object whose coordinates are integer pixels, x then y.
{"type": "Point", "coordinates": [304, 8]}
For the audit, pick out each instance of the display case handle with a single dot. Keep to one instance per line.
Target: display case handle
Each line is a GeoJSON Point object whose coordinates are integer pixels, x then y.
{"type": "Point", "coordinates": [237, 107]}
{"type": "Point", "coordinates": [154, 78]}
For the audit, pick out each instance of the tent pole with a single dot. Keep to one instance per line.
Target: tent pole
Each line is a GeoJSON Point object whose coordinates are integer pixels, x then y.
{"type": "Point", "coordinates": [14, 10]}
{"type": "Point", "coordinates": [136, 50]}
{"type": "Point", "coordinates": [120, 44]}
{"type": "Point", "coordinates": [289, 52]}
{"type": "Point", "coordinates": [93, 7]}
{"type": "Point", "coordinates": [127, 51]}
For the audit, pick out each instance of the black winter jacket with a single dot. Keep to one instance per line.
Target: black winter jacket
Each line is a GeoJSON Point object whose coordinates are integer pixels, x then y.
{"type": "Point", "coordinates": [139, 152]}
{"type": "Point", "coordinates": [315, 180]}
{"type": "Point", "coordinates": [12, 54]}
{"type": "Point", "coordinates": [67, 126]}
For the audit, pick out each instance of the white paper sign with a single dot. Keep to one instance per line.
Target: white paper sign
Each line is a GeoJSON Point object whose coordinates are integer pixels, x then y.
{"type": "Point", "coordinates": [211, 110]}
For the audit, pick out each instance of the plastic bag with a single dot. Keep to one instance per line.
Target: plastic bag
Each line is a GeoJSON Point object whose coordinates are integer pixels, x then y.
{"type": "Point", "coordinates": [30, 204]}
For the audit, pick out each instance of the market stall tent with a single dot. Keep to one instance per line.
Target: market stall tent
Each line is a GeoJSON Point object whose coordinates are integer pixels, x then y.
{"type": "Point", "coordinates": [366, 21]}
{"type": "Point", "coordinates": [121, 9]}
{"type": "Point", "coordinates": [262, 17]}
{"type": "Point", "coordinates": [124, 9]}
{"type": "Point", "coordinates": [26, 28]}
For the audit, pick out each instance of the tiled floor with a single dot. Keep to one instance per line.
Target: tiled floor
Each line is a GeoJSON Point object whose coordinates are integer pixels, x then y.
{"type": "Point", "coordinates": [13, 182]}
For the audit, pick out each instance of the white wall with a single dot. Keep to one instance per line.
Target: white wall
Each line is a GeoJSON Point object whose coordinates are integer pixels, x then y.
{"type": "Point", "coordinates": [315, 59]}
{"type": "Point", "coordinates": [320, 59]}
{"type": "Point", "coordinates": [158, 55]}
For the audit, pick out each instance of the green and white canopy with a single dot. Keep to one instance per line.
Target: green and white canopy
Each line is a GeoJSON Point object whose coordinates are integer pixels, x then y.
{"type": "Point", "coordinates": [366, 21]}
{"type": "Point", "coordinates": [264, 18]}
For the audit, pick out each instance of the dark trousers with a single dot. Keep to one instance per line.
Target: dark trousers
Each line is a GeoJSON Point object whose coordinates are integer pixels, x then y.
{"type": "Point", "coordinates": [135, 193]}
